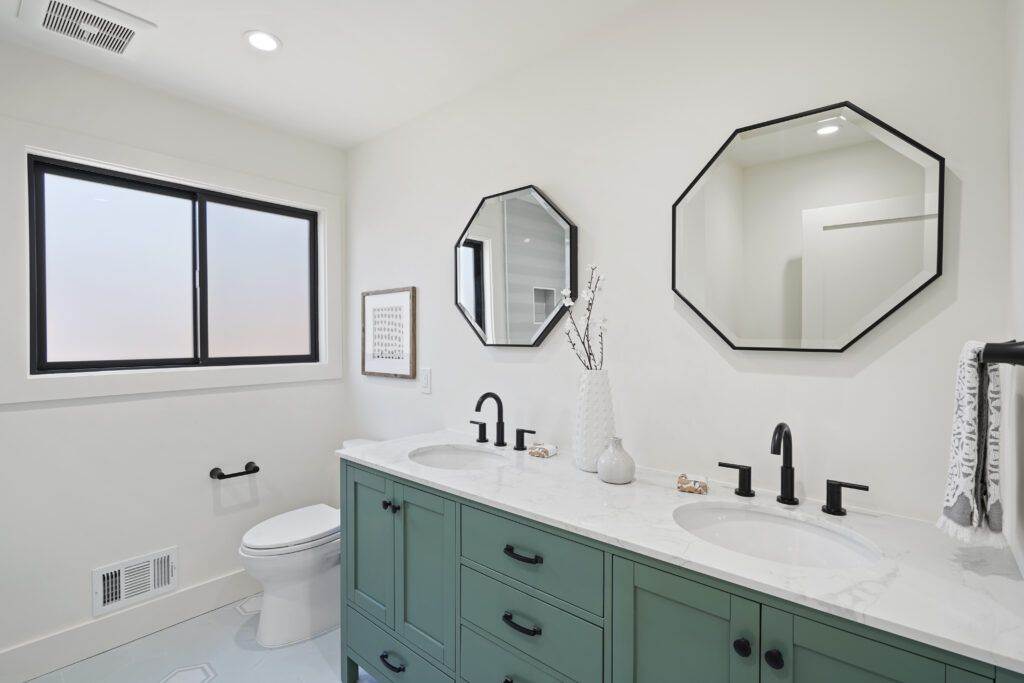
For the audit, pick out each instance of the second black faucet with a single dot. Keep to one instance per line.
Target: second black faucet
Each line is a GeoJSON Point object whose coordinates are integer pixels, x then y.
{"type": "Point", "coordinates": [499, 428]}
{"type": "Point", "coordinates": [782, 442]}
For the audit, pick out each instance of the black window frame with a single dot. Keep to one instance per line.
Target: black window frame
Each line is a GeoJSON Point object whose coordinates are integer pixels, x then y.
{"type": "Point", "coordinates": [40, 166]}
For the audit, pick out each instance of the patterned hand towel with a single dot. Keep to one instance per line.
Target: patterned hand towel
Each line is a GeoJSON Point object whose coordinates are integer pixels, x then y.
{"type": "Point", "coordinates": [972, 510]}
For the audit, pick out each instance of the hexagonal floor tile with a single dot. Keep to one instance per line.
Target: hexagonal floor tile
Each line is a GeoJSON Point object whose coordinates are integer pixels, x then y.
{"type": "Point", "coordinates": [198, 673]}
{"type": "Point", "coordinates": [251, 605]}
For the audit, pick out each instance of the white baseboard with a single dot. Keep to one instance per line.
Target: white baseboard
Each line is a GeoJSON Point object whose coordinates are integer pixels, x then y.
{"type": "Point", "coordinates": [37, 657]}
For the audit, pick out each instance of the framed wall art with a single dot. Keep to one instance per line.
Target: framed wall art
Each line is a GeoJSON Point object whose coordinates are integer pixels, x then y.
{"type": "Point", "coordinates": [389, 333]}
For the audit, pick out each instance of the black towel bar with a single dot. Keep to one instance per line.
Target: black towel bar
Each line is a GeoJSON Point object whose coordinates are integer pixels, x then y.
{"type": "Point", "coordinates": [1011, 352]}
{"type": "Point", "coordinates": [250, 468]}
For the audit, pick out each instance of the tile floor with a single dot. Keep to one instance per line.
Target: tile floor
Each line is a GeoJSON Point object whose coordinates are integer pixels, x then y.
{"type": "Point", "coordinates": [219, 646]}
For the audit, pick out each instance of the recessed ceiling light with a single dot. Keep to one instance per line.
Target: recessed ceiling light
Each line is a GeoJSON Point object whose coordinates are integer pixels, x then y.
{"type": "Point", "coordinates": [828, 130]}
{"type": "Point", "coordinates": [263, 41]}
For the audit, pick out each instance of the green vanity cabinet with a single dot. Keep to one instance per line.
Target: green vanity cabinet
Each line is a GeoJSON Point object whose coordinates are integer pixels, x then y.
{"type": "Point", "coordinates": [667, 628]}
{"type": "Point", "coordinates": [450, 590]}
{"type": "Point", "coordinates": [401, 566]}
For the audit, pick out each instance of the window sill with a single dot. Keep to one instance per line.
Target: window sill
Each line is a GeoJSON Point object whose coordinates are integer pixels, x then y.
{"type": "Point", "coordinates": [95, 384]}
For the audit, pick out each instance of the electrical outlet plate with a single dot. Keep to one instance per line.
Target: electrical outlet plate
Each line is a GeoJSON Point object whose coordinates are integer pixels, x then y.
{"type": "Point", "coordinates": [426, 385]}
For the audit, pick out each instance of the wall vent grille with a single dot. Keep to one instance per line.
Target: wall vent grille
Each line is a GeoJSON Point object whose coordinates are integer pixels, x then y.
{"type": "Point", "coordinates": [125, 583]}
{"type": "Point", "coordinates": [87, 27]}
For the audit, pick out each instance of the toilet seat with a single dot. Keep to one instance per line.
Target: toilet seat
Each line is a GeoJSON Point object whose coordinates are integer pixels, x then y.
{"type": "Point", "coordinates": [288, 550]}
{"type": "Point", "coordinates": [293, 531]}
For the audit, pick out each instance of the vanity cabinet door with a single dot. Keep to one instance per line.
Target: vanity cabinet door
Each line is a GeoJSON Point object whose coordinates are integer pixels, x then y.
{"type": "Point", "coordinates": [809, 652]}
{"type": "Point", "coordinates": [370, 545]}
{"type": "Point", "coordinates": [425, 558]}
{"type": "Point", "coordinates": [668, 629]}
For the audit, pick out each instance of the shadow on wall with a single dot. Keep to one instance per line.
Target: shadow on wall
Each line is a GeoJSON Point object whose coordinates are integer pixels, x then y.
{"type": "Point", "coordinates": [924, 307]}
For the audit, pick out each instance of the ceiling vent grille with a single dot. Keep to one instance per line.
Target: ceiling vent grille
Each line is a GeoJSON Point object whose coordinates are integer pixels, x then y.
{"type": "Point", "coordinates": [87, 27]}
{"type": "Point", "coordinates": [125, 583]}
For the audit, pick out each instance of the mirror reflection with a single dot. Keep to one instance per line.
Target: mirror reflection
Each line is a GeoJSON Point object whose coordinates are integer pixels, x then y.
{"type": "Point", "coordinates": [512, 262]}
{"type": "Point", "coordinates": [804, 233]}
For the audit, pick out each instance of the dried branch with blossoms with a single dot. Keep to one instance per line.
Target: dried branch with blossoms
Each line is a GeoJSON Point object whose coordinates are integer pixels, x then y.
{"type": "Point", "coordinates": [586, 342]}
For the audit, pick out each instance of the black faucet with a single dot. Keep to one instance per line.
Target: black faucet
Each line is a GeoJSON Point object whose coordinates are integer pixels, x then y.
{"type": "Point", "coordinates": [782, 442]}
{"type": "Point", "coordinates": [499, 428]}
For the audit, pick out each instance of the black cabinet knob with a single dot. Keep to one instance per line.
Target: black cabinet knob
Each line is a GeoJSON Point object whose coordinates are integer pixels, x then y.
{"type": "Point", "coordinates": [742, 647]}
{"type": "Point", "coordinates": [773, 658]}
{"type": "Point", "coordinates": [388, 505]}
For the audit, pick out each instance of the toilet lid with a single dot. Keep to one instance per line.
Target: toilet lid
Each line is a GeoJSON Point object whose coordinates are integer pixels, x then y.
{"type": "Point", "coordinates": [294, 528]}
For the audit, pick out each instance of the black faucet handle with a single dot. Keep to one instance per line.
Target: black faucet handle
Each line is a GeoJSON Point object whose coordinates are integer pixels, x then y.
{"type": "Point", "coordinates": [481, 430]}
{"type": "Point", "coordinates": [744, 488]}
{"type": "Point", "coordinates": [834, 496]}
{"type": "Point", "coordinates": [521, 438]}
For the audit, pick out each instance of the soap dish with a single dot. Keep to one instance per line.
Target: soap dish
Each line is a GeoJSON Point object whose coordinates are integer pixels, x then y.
{"type": "Point", "coordinates": [543, 450]}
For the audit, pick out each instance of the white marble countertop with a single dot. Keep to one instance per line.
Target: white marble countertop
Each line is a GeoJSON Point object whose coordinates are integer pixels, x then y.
{"type": "Point", "coordinates": [927, 587]}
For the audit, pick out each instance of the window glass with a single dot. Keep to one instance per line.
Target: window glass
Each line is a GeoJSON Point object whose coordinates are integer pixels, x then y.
{"type": "Point", "coordinates": [258, 282]}
{"type": "Point", "coordinates": [119, 272]}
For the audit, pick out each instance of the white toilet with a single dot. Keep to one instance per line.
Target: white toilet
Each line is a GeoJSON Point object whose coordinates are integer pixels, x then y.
{"type": "Point", "coordinates": [297, 557]}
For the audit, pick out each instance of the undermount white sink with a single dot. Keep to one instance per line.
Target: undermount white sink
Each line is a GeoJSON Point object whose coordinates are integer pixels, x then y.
{"type": "Point", "coordinates": [779, 536]}
{"type": "Point", "coordinates": [457, 457]}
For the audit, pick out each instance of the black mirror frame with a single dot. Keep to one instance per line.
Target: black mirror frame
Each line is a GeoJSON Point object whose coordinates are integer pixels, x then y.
{"type": "Point", "coordinates": [573, 267]}
{"type": "Point", "coordinates": [878, 122]}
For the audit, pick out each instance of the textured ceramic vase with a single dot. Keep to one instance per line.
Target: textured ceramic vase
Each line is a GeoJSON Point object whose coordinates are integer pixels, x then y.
{"type": "Point", "coordinates": [595, 422]}
{"type": "Point", "coordinates": [615, 466]}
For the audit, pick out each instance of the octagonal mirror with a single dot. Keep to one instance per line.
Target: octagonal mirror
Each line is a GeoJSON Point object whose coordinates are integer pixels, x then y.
{"type": "Point", "coordinates": [512, 263]}
{"type": "Point", "coordinates": [805, 232]}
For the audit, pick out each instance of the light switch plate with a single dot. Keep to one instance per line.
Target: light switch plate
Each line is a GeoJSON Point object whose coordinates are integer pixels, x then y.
{"type": "Point", "coordinates": [425, 384]}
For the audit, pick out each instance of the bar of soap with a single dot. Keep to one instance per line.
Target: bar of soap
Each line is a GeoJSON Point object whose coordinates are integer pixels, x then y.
{"type": "Point", "coordinates": [543, 450]}
{"type": "Point", "coordinates": [692, 484]}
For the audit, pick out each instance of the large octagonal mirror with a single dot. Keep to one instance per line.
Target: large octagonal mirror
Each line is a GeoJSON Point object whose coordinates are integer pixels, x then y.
{"type": "Point", "coordinates": [805, 232]}
{"type": "Point", "coordinates": [513, 261]}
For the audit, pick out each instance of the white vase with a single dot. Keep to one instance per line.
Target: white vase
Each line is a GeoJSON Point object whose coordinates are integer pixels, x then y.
{"type": "Point", "coordinates": [595, 422]}
{"type": "Point", "coordinates": [615, 466]}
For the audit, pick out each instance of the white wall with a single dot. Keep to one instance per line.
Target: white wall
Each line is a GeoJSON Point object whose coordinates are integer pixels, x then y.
{"type": "Point", "coordinates": [93, 480]}
{"type": "Point", "coordinates": [613, 128]}
{"type": "Point", "coordinates": [1013, 460]}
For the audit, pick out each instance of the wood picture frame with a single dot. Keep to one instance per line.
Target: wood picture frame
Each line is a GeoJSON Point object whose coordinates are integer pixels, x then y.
{"type": "Point", "coordinates": [390, 331]}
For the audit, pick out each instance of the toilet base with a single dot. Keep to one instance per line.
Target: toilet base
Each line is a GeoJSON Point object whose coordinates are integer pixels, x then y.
{"type": "Point", "coordinates": [301, 595]}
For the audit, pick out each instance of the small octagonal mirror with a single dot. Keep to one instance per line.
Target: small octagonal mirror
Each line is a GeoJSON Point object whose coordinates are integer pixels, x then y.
{"type": "Point", "coordinates": [512, 263]}
{"type": "Point", "coordinates": [805, 232]}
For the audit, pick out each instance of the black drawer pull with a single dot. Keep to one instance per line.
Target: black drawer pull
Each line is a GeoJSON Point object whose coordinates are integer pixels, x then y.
{"type": "Point", "coordinates": [742, 647]}
{"type": "Point", "coordinates": [384, 660]}
{"type": "Point", "coordinates": [773, 658]}
{"type": "Point", "coordinates": [511, 552]}
{"type": "Point", "coordinates": [507, 618]}
{"type": "Point", "coordinates": [388, 505]}
{"type": "Point", "coordinates": [507, 679]}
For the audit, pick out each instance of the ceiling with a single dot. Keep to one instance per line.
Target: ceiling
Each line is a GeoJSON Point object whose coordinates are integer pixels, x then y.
{"type": "Point", "coordinates": [348, 69]}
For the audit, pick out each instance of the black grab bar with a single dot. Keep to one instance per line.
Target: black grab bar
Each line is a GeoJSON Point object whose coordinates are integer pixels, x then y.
{"type": "Point", "coordinates": [250, 468]}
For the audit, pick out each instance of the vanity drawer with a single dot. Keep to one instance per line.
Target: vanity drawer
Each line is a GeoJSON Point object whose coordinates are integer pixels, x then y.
{"type": "Point", "coordinates": [563, 568]}
{"type": "Point", "coordinates": [371, 643]}
{"type": "Point", "coordinates": [485, 662]}
{"type": "Point", "coordinates": [562, 641]}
